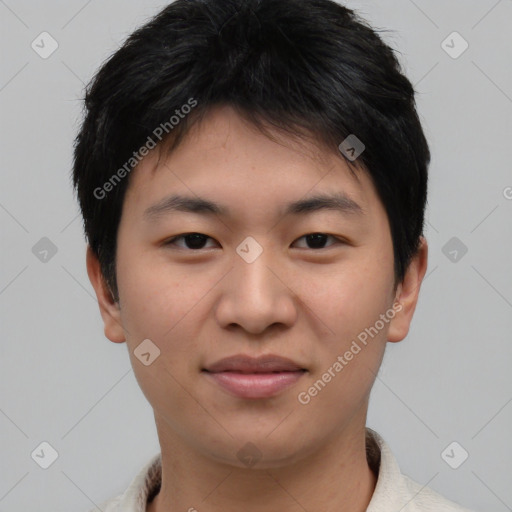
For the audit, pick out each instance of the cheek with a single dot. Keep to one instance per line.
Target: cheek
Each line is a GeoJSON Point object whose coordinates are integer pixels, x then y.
{"type": "Point", "coordinates": [155, 296]}
{"type": "Point", "coordinates": [349, 356]}
{"type": "Point", "coordinates": [167, 304]}
{"type": "Point", "coordinates": [352, 297]}
{"type": "Point", "coordinates": [350, 304]}
{"type": "Point", "coordinates": [158, 304]}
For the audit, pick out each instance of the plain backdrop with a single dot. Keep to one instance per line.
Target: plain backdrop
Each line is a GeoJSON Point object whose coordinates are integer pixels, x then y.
{"type": "Point", "coordinates": [62, 382]}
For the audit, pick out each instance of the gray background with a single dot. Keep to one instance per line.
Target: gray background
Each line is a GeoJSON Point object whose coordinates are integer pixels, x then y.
{"type": "Point", "coordinates": [62, 382]}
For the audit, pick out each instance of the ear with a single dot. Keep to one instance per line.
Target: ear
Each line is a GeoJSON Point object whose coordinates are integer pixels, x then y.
{"type": "Point", "coordinates": [407, 294]}
{"type": "Point", "coordinates": [109, 309]}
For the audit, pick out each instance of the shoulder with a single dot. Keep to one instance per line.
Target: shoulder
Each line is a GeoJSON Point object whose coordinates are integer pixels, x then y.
{"type": "Point", "coordinates": [141, 488]}
{"type": "Point", "coordinates": [425, 499]}
{"type": "Point", "coordinates": [396, 491]}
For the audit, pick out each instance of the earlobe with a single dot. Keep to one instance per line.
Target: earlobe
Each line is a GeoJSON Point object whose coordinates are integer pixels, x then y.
{"type": "Point", "coordinates": [109, 309]}
{"type": "Point", "coordinates": [407, 294]}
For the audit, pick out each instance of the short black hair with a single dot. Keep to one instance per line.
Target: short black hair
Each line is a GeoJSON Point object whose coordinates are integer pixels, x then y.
{"type": "Point", "coordinates": [304, 67]}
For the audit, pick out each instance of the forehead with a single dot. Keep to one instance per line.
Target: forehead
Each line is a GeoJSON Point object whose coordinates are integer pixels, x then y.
{"type": "Point", "coordinates": [226, 158]}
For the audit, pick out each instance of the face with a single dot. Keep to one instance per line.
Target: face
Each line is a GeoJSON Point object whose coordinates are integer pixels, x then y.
{"type": "Point", "coordinates": [258, 278]}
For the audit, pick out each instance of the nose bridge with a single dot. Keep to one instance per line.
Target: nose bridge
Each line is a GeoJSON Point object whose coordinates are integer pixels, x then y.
{"type": "Point", "coordinates": [255, 280]}
{"type": "Point", "coordinates": [255, 297]}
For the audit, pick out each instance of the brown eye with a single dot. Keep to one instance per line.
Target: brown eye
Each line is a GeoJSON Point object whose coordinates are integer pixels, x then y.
{"type": "Point", "coordinates": [317, 240]}
{"type": "Point", "coordinates": [193, 241]}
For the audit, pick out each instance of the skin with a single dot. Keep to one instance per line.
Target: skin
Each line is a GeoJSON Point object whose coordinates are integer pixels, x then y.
{"type": "Point", "coordinates": [295, 300]}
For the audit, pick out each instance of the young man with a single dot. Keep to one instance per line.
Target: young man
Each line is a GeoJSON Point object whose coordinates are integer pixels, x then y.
{"type": "Point", "coordinates": [252, 176]}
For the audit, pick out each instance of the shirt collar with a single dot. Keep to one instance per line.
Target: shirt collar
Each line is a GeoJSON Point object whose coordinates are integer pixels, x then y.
{"type": "Point", "coordinates": [147, 483]}
{"type": "Point", "coordinates": [389, 482]}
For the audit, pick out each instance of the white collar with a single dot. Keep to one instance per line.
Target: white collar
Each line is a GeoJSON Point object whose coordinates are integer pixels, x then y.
{"type": "Point", "coordinates": [394, 491]}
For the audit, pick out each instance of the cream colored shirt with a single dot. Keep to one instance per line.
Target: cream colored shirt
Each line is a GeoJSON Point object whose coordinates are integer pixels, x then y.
{"type": "Point", "coordinates": [394, 491]}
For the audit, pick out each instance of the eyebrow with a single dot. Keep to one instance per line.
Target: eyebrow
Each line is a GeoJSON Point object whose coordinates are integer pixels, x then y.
{"type": "Point", "coordinates": [179, 203]}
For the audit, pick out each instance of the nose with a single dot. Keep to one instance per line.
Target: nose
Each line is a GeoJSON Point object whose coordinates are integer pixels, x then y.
{"type": "Point", "coordinates": [256, 295]}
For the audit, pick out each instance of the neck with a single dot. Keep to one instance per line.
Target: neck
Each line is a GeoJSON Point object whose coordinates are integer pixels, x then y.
{"type": "Point", "coordinates": [334, 478]}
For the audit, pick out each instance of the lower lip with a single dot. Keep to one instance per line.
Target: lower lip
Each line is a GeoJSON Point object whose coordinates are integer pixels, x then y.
{"type": "Point", "coordinates": [255, 385]}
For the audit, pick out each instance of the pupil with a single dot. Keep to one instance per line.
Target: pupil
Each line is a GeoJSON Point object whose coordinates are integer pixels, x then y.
{"type": "Point", "coordinates": [317, 239]}
{"type": "Point", "coordinates": [195, 240]}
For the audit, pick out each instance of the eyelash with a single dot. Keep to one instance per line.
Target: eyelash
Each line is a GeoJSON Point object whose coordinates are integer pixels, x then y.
{"type": "Point", "coordinates": [182, 236]}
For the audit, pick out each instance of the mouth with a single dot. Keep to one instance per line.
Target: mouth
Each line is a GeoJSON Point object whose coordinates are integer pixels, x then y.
{"type": "Point", "coordinates": [255, 378]}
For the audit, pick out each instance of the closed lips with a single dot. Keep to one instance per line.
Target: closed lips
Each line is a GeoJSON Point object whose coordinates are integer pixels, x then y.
{"type": "Point", "coordinates": [247, 364]}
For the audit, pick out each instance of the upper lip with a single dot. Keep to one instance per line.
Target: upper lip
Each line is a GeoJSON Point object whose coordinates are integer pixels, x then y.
{"type": "Point", "coordinates": [247, 364]}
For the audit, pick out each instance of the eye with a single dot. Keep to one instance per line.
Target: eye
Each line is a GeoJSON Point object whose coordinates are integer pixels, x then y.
{"type": "Point", "coordinates": [193, 241]}
{"type": "Point", "coordinates": [196, 241]}
{"type": "Point", "coordinates": [317, 240]}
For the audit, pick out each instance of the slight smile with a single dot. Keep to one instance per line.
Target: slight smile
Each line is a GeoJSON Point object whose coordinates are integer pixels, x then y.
{"type": "Point", "coordinates": [248, 377]}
